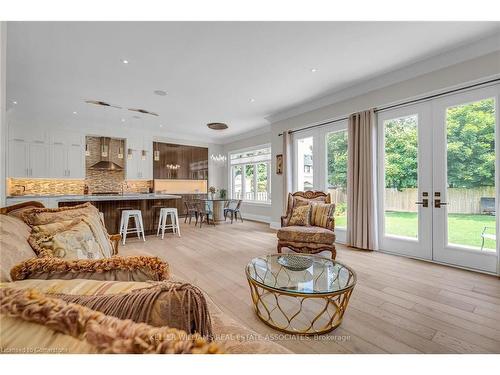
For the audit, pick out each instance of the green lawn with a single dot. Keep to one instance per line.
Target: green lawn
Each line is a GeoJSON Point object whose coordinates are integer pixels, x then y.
{"type": "Point", "coordinates": [463, 229]}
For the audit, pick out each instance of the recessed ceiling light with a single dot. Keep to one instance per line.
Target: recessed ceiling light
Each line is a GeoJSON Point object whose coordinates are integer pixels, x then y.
{"type": "Point", "coordinates": [252, 100]}
{"type": "Point", "coordinates": [122, 120]}
{"type": "Point", "coordinates": [125, 61]}
{"type": "Point", "coordinates": [314, 70]}
{"type": "Point", "coordinates": [217, 126]}
{"type": "Point", "coordinates": [75, 112]}
{"type": "Point", "coordinates": [160, 92]}
{"type": "Point", "coordinates": [14, 102]}
{"type": "Point", "coordinates": [161, 126]}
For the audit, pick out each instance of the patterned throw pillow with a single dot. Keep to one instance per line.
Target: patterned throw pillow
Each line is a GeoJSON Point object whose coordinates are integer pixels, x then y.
{"type": "Point", "coordinates": [320, 214]}
{"type": "Point", "coordinates": [80, 238]}
{"type": "Point", "coordinates": [301, 216]}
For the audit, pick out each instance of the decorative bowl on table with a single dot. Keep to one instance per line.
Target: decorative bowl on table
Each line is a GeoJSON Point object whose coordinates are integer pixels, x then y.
{"type": "Point", "coordinates": [295, 262]}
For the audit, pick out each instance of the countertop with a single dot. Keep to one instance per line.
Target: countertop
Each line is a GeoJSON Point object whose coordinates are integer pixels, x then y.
{"type": "Point", "coordinates": [93, 198]}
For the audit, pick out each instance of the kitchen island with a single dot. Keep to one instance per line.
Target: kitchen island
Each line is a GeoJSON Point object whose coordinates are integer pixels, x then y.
{"type": "Point", "coordinates": [112, 205]}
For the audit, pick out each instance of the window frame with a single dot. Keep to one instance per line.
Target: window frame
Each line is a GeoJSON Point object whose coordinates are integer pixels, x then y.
{"type": "Point", "coordinates": [255, 164]}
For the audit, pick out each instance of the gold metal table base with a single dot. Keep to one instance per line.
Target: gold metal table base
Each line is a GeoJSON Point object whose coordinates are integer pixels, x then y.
{"type": "Point", "coordinates": [288, 312]}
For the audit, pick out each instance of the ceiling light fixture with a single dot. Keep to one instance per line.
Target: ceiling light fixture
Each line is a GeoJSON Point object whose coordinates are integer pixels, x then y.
{"type": "Point", "coordinates": [122, 120]}
{"type": "Point", "coordinates": [125, 61]}
{"type": "Point", "coordinates": [161, 126]}
{"type": "Point", "coordinates": [252, 100]}
{"type": "Point", "coordinates": [217, 126]}
{"type": "Point", "coordinates": [160, 92]}
{"type": "Point", "coordinates": [314, 70]}
{"type": "Point", "coordinates": [218, 159]}
{"type": "Point", "coordinates": [14, 102]}
{"type": "Point", "coordinates": [75, 112]}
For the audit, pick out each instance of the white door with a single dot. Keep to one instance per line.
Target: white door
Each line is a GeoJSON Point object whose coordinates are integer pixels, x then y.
{"type": "Point", "coordinates": [75, 165]}
{"type": "Point", "coordinates": [58, 160]}
{"type": "Point", "coordinates": [466, 179]}
{"type": "Point", "coordinates": [18, 159]}
{"type": "Point", "coordinates": [405, 181]}
{"type": "Point", "coordinates": [38, 160]}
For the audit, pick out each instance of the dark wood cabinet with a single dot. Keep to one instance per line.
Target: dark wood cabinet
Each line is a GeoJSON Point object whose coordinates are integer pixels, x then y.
{"type": "Point", "coordinates": [180, 162]}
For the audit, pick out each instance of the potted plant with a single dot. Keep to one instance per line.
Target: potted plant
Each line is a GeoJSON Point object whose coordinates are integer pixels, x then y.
{"type": "Point", "coordinates": [222, 193]}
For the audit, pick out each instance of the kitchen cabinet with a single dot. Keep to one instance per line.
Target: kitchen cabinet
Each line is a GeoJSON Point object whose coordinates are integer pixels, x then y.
{"type": "Point", "coordinates": [180, 162]}
{"type": "Point", "coordinates": [32, 155]}
{"type": "Point", "coordinates": [67, 155]}
{"type": "Point", "coordinates": [28, 159]}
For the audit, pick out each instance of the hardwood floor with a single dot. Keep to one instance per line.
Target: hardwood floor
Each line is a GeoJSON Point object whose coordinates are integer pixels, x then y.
{"type": "Point", "coordinates": [399, 305]}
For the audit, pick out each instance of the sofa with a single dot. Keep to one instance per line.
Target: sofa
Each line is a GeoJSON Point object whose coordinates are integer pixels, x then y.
{"type": "Point", "coordinates": [115, 304]}
{"type": "Point", "coordinates": [314, 228]}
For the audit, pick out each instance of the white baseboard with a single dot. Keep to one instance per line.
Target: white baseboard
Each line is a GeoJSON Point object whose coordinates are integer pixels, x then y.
{"type": "Point", "coordinates": [260, 218]}
{"type": "Point", "coordinates": [275, 225]}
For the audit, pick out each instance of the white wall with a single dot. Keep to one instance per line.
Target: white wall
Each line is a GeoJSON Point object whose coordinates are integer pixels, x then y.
{"type": "Point", "coordinates": [3, 103]}
{"type": "Point", "coordinates": [252, 211]}
{"type": "Point", "coordinates": [451, 76]}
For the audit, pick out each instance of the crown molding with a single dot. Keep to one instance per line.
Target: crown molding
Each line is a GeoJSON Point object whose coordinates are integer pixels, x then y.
{"type": "Point", "coordinates": [252, 133]}
{"type": "Point", "coordinates": [457, 55]}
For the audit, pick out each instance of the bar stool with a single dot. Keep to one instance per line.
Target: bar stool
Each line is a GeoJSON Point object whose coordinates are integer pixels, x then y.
{"type": "Point", "coordinates": [139, 226]}
{"type": "Point", "coordinates": [174, 221]}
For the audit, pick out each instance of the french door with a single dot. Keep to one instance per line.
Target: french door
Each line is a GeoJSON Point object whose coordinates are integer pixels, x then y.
{"type": "Point", "coordinates": [439, 177]}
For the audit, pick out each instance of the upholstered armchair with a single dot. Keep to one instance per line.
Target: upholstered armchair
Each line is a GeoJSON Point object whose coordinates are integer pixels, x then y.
{"type": "Point", "coordinates": [314, 233]}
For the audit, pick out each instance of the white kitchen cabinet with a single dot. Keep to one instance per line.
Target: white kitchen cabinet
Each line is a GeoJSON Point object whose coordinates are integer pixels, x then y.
{"type": "Point", "coordinates": [28, 159]}
{"type": "Point", "coordinates": [18, 158]}
{"type": "Point", "coordinates": [39, 159]}
{"type": "Point", "coordinates": [138, 168]}
{"type": "Point", "coordinates": [76, 161]}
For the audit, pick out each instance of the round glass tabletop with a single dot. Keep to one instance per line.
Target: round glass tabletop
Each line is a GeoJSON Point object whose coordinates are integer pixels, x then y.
{"type": "Point", "coordinates": [300, 273]}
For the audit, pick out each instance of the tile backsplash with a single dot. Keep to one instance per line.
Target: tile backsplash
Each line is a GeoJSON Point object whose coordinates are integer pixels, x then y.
{"type": "Point", "coordinates": [44, 186]}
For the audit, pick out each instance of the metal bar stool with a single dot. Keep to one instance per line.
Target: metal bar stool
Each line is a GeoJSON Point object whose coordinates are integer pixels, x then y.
{"type": "Point", "coordinates": [139, 225]}
{"type": "Point", "coordinates": [174, 221]}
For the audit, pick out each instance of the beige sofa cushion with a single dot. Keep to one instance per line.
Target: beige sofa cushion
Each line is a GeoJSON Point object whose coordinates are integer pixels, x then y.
{"type": "Point", "coordinates": [14, 247]}
{"type": "Point", "coordinates": [306, 235]}
{"type": "Point", "coordinates": [24, 312]}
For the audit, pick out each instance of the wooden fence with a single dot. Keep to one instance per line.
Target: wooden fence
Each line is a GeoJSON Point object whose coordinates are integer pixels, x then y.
{"type": "Point", "coordinates": [460, 200]}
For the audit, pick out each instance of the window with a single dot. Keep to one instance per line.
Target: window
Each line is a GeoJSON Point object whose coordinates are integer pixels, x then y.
{"type": "Point", "coordinates": [336, 163]}
{"type": "Point", "coordinates": [250, 175]}
{"type": "Point", "coordinates": [305, 171]}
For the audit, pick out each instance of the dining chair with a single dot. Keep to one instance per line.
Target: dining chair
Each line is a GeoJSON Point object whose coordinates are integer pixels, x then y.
{"type": "Point", "coordinates": [205, 212]}
{"type": "Point", "coordinates": [191, 210]}
{"type": "Point", "coordinates": [233, 208]}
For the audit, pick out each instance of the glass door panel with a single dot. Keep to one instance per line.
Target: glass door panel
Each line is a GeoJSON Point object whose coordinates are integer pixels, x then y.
{"type": "Point", "coordinates": [336, 148]}
{"type": "Point", "coordinates": [304, 164]}
{"type": "Point", "coordinates": [405, 181]}
{"type": "Point", "coordinates": [401, 176]}
{"type": "Point", "coordinates": [466, 179]}
{"type": "Point", "coordinates": [470, 144]}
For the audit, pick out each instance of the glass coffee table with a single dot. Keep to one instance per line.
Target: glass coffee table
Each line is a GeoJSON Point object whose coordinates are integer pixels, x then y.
{"type": "Point", "coordinates": [300, 293]}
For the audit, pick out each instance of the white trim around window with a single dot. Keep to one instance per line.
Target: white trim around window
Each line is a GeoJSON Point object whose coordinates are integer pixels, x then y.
{"type": "Point", "coordinates": [243, 175]}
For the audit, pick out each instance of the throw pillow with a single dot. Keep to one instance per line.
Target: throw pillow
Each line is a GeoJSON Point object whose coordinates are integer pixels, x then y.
{"type": "Point", "coordinates": [42, 216]}
{"type": "Point", "coordinates": [80, 238]}
{"type": "Point", "coordinates": [320, 214]}
{"type": "Point", "coordinates": [300, 216]}
{"type": "Point", "coordinates": [14, 247]}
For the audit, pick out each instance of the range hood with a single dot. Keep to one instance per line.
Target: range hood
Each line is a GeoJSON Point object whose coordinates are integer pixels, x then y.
{"type": "Point", "coordinates": [105, 164]}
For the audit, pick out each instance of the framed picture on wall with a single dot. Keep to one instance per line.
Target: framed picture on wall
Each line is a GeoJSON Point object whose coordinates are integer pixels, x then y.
{"type": "Point", "coordinates": [279, 164]}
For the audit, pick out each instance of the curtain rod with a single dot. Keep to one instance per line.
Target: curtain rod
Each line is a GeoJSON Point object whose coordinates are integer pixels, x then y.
{"type": "Point", "coordinates": [426, 98]}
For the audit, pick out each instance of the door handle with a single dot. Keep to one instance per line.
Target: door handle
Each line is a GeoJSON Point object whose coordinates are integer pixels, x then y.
{"type": "Point", "coordinates": [438, 203]}
{"type": "Point", "coordinates": [424, 203]}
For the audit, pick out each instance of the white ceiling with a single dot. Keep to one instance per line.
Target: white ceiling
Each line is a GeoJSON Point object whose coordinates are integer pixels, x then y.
{"type": "Point", "coordinates": [210, 70]}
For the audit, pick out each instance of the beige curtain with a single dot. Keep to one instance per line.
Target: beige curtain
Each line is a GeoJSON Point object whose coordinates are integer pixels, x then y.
{"type": "Point", "coordinates": [361, 181]}
{"type": "Point", "coordinates": [287, 167]}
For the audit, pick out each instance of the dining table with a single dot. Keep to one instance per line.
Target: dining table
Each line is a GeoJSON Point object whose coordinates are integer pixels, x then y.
{"type": "Point", "coordinates": [217, 206]}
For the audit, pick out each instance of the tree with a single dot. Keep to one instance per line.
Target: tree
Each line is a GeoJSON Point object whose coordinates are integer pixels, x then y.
{"type": "Point", "coordinates": [471, 144]}
{"type": "Point", "coordinates": [337, 160]}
